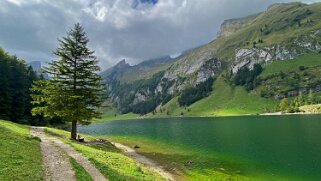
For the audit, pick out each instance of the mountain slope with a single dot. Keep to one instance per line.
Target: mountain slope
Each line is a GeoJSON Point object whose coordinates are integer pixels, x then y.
{"type": "Point", "coordinates": [282, 33]}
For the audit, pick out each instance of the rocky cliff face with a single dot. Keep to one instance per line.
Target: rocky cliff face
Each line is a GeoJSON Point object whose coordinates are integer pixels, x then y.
{"type": "Point", "coordinates": [248, 57]}
{"type": "Point", "coordinates": [173, 82]}
{"type": "Point", "coordinates": [190, 75]}
{"type": "Point", "coordinates": [229, 27]}
{"type": "Point", "coordinates": [263, 56]}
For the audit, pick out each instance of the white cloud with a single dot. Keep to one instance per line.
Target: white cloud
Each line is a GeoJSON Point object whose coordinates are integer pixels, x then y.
{"type": "Point", "coordinates": [117, 29]}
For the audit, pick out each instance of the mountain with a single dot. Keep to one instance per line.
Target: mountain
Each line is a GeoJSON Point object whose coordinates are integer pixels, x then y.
{"type": "Point", "coordinates": [36, 66]}
{"type": "Point", "coordinates": [237, 73]}
{"type": "Point", "coordinates": [125, 73]}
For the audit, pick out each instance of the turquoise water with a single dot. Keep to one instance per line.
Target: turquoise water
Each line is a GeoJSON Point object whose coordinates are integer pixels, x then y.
{"type": "Point", "coordinates": [289, 144]}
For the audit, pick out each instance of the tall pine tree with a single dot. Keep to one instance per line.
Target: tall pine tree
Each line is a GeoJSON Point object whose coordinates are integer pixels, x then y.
{"type": "Point", "coordinates": [73, 92]}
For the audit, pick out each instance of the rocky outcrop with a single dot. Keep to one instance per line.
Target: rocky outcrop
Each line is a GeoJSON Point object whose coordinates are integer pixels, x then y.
{"type": "Point", "coordinates": [311, 42]}
{"type": "Point", "coordinates": [229, 27]}
{"type": "Point", "coordinates": [209, 69]}
{"type": "Point", "coordinates": [190, 75]}
{"type": "Point", "coordinates": [139, 97]}
{"type": "Point", "coordinates": [249, 57]}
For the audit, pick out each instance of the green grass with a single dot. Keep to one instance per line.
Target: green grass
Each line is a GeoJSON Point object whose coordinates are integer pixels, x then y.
{"type": "Point", "coordinates": [20, 156]}
{"type": "Point", "coordinates": [81, 173]}
{"type": "Point", "coordinates": [231, 101]}
{"type": "Point", "coordinates": [308, 60]}
{"type": "Point", "coordinates": [273, 82]}
{"type": "Point", "coordinates": [108, 159]}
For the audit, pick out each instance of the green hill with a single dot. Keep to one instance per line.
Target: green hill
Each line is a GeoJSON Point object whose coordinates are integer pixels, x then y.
{"type": "Point", "coordinates": [285, 40]}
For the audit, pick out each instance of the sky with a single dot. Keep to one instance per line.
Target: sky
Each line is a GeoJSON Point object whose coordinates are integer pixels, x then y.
{"type": "Point", "coordinates": [134, 30]}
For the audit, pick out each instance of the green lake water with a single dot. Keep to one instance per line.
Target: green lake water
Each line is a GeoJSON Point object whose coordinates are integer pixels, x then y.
{"type": "Point", "coordinates": [281, 145]}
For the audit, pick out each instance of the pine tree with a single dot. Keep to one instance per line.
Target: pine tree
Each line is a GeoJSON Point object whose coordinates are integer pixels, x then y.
{"type": "Point", "coordinates": [73, 92]}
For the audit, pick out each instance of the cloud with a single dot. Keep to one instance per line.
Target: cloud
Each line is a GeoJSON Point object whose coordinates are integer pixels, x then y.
{"type": "Point", "coordinates": [132, 29]}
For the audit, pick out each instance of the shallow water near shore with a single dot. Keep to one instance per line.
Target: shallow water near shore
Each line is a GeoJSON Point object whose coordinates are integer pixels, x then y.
{"type": "Point", "coordinates": [281, 146]}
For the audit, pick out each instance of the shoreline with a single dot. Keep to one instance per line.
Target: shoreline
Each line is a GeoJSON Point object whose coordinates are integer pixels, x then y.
{"type": "Point", "coordinates": [241, 115]}
{"type": "Point", "coordinates": [284, 114]}
{"type": "Point", "coordinates": [147, 162]}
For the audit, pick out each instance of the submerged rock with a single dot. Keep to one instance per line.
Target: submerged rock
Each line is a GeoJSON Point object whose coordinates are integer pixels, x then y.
{"type": "Point", "coordinates": [188, 163]}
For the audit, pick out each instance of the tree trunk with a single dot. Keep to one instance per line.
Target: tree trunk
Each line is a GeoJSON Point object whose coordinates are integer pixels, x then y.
{"type": "Point", "coordinates": [74, 130]}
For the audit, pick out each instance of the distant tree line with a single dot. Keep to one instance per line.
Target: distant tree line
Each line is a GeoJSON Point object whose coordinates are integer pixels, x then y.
{"type": "Point", "coordinates": [16, 79]}
{"type": "Point", "coordinates": [193, 94]}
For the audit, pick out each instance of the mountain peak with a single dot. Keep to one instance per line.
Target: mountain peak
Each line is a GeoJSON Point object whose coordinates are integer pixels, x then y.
{"type": "Point", "coordinates": [122, 64]}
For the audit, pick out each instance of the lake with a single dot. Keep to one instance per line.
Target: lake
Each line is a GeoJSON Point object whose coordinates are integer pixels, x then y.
{"type": "Point", "coordinates": [277, 145]}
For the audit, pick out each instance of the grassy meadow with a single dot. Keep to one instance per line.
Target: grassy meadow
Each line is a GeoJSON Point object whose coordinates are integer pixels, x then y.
{"type": "Point", "coordinates": [286, 66]}
{"type": "Point", "coordinates": [20, 156]}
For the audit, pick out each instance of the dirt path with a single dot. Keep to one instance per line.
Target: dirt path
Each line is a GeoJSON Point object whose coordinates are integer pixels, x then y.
{"type": "Point", "coordinates": [144, 161]}
{"type": "Point", "coordinates": [56, 161]}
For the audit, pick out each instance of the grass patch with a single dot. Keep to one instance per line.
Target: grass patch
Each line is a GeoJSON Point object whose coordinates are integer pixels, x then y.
{"type": "Point", "coordinates": [307, 61]}
{"type": "Point", "coordinates": [20, 155]}
{"type": "Point", "coordinates": [81, 173]}
{"type": "Point", "coordinates": [108, 159]}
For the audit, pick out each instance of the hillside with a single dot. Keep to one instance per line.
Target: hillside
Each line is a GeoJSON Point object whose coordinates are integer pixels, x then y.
{"type": "Point", "coordinates": [282, 39]}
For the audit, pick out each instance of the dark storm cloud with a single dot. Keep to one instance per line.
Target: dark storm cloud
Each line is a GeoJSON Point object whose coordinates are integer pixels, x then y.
{"type": "Point", "coordinates": [131, 29]}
